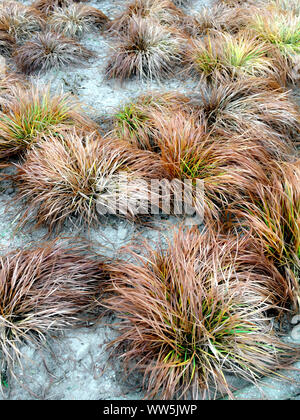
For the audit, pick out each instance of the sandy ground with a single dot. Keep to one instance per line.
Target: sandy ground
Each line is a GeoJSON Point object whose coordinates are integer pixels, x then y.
{"type": "Point", "coordinates": [75, 365]}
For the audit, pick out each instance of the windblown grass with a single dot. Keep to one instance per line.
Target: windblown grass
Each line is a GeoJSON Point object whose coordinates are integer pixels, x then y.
{"type": "Point", "coordinates": [46, 289]}
{"type": "Point", "coordinates": [189, 315]}
{"type": "Point", "coordinates": [74, 20]}
{"type": "Point", "coordinates": [147, 50]}
{"type": "Point", "coordinates": [35, 112]}
{"type": "Point", "coordinates": [49, 50]}
{"type": "Point", "coordinates": [81, 178]}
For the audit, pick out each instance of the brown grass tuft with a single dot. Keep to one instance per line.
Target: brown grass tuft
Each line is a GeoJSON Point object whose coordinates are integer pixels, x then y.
{"type": "Point", "coordinates": [35, 112]}
{"type": "Point", "coordinates": [20, 20]}
{"type": "Point", "coordinates": [10, 83]}
{"type": "Point", "coordinates": [235, 3]}
{"type": "Point", "coordinates": [285, 6]}
{"type": "Point", "coordinates": [46, 289]}
{"type": "Point", "coordinates": [80, 178]}
{"type": "Point", "coordinates": [192, 313]}
{"type": "Point", "coordinates": [75, 20]}
{"type": "Point", "coordinates": [164, 12]}
{"type": "Point", "coordinates": [135, 121]}
{"type": "Point", "coordinates": [47, 6]}
{"type": "Point", "coordinates": [147, 50]}
{"type": "Point", "coordinates": [281, 30]}
{"type": "Point", "coordinates": [219, 17]}
{"type": "Point", "coordinates": [50, 50]}
{"type": "Point", "coordinates": [227, 164]}
{"type": "Point", "coordinates": [258, 104]}
{"type": "Point", "coordinates": [273, 216]}
{"type": "Point", "coordinates": [7, 41]}
{"type": "Point", "coordinates": [220, 56]}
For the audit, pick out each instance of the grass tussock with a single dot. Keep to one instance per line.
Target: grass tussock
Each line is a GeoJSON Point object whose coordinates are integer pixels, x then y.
{"type": "Point", "coordinates": [236, 3]}
{"type": "Point", "coordinates": [47, 6]}
{"type": "Point", "coordinates": [80, 178]}
{"type": "Point", "coordinates": [226, 164]}
{"type": "Point", "coordinates": [34, 112]}
{"type": "Point", "coordinates": [7, 41]}
{"type": "Point", "coordinates": [204, 304]}
{"type": "Point", "coordinates": [284, 6]}
{"type": "Point", "coordinates": [21, 21]}
{"type": "Point", "coordinates": [280, 30]}
{"type": "Point", "coordinates": [259, 105]}
{"type": "Point", "coordinates": [180, 2]}
{"type": "Point", "coordinates": [135, 121]}
{"type": "Point", "coordinates": [163, 12]}
{"type": "Point", "coordinates": [49, 50]}
{"type": "Point", "coordinates": [219, 17]}
{"type": "Point", "coordinates": [44, 290]}
{"type": "Point", "coordinates": [224, 56]}
{"type": "Point", "coordinates": [147, 50]}
{"type": "Point", "coordinates": [9, 84]}
{"type": "Point", "coordinates": [76, 19]}
{"type": "Point", "coordinates": [273, 216]}
{"type": "Point", "coordinates": [189, 315]}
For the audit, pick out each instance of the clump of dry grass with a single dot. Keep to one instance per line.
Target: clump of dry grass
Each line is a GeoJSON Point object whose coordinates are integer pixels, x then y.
{"type": "Point", "coordinates": [224, 56]}
{"type": "Point", "coordinates": [20, 20]}
{"type": "Point", "coordinates": [49, 50]}
{"type": "Point", "coordinates": [181, 2]}
{"type": "Point", "coordinates": [227, 164]}
{"type": "Point", "coordinates": [81, 178]}
{"type": "Point", "coordinates": [34, 112]}
{"type": "Point", "coordinates": [134, 122]}
{"type": "Point", "coordinates": [46, 289]}
{"type": "Point", "coordinates": [271, 284]}
{"type": "Point", "coordinates": [147, 50]}
{"type": "Point", "coordinates": [283, 6]}
{"type": "Point", "coordinates": [164, 12]}
{"type": "Point", "coordinates": [9, 84]}
{"type": "Point", "coordinates": [219, 17]}
{"type": "Point", "coordinates": [273, 215]}
{"type": "Point", "coordinates": [3, 65]}
{"type": "Point", "coordinates": [47, 6]}
{"type": "Point", "coordinates": [7, 41]}
{"type": "Point", "coordinates": [75, 20]}
{"type": "Point", "coordinates": [258, 104]}
{"type": "Point", "coordinates": [236, 3]}
{"type": "Point", "coordinates": [190, 314]}
{"type": "Point", "coordinates": [281, 30]}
